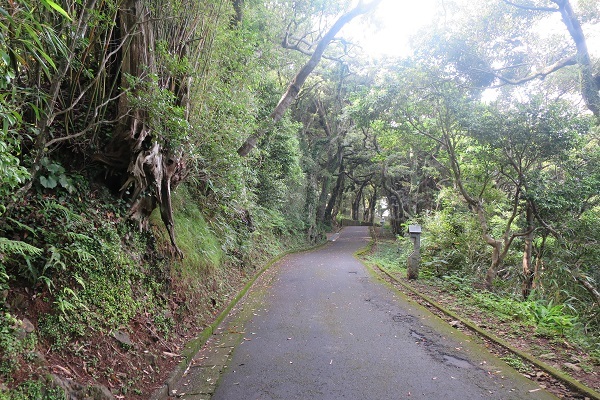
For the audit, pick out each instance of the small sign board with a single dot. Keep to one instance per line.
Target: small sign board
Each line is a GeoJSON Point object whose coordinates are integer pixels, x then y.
{"type": "Point", "coordinates": [414, 229]}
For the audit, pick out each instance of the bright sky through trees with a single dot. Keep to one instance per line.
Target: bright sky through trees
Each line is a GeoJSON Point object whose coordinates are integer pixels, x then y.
{"type": "Point", "coordinates": [394, 21]}
{"type": "Point", "coordinates": [392, 24]}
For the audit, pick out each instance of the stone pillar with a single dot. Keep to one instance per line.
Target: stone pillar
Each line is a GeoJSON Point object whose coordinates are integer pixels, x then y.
{"type": "Point", "coordinates": [412, 270]}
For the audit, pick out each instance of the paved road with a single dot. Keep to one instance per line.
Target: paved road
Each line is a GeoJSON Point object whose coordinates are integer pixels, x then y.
{"type": "Point", "coordinates": [326, 329]}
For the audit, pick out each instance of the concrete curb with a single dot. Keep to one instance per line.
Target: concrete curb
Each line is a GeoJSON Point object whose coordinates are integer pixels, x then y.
{"type": "Point", "coordinates": [196, 344]}
{"type": "Point", "coordinates": [559, 375]}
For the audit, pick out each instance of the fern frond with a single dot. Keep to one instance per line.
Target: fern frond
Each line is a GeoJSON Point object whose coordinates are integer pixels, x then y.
{"type": "Point", "coordinates": [83, 255]}
{"type": "Point", "coordinates": [22, 226]}
{"type": "Point", "coordinates": [9, 247]}
{"type": "Point", "coordinates": [80, 238]}
{"type": "Point", "coordinates": [68, 214]}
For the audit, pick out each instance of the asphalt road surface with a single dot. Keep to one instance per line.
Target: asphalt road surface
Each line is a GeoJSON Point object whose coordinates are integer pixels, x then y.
{"type": "Point", "coordinates": [327, 329]}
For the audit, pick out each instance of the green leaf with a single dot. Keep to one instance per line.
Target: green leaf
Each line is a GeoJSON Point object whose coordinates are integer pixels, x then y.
{"type": "Point", "coordinates": [52, 4]}
{"type": "Point", "coordinates": [48, 182]}
{"type": "Point", "coordinates": [55, 168]}
{"type": "Point", "coordinates": [5, 57]}
{"type": "Point", "coordinates": [66, 183]}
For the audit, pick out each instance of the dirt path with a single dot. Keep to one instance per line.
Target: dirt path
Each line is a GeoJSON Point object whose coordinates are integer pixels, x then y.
{"type": "Point", "coordinates": [324, 328]}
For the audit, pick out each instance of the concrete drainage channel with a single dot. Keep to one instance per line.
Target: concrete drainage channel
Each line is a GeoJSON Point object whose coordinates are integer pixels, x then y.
{"type": "Point", "coordinates": [571, 383]}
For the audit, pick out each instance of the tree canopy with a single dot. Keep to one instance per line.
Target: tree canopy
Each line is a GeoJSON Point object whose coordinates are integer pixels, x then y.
{"type": "Point", "coordinates": [265, 125]}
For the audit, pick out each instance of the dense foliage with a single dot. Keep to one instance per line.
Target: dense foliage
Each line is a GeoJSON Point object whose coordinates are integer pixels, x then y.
{"type": "Point", "coordinates": [487, 135]}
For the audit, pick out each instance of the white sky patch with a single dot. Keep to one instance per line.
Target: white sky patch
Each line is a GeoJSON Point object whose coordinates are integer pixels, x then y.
{"type": "Point", "coordinates": [593, 39]}
{"type": "Point", "coordinates": [395, 21]}
{"type": "Point", "coordinates": [391, 26]}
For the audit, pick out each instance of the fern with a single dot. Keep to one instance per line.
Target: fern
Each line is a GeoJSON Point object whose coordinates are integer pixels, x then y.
{"type": "Point", "coordinates": [22, 226]}
{"type": "Point", "coordinates": [9, 247]}
{"type": "Point", "coordinates": [14, 247]}
{"type": "Point", "coordinates": [81, 238]}
{"type": "Point", "coordinates": [68, 214]}
{"type": "Point", "coordinates": [84, 256]}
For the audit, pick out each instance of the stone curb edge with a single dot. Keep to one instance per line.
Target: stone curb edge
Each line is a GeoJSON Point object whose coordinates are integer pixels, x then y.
{"type": "Point", "coordinates": [192, 347]}
{"type": "Point", "coordinates": [567, 380]}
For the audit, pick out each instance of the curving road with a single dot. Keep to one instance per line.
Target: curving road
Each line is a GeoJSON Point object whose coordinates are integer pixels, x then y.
{"type": "Point", "coordinates": [326, 329]}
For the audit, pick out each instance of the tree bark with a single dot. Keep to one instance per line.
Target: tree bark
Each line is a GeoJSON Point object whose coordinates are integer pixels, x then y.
{"type": "Point", "coordinates": [335, 193]}
{"type": "Point", "coordinates": [372, 204]}
{"type": "Point", "coordinates": [323, 199]}
{"type": "Point", "coordinates": [133, 151]}
{"type": "Point", "coordinates": [356, 202]}
{"type": "Point", "coordinates": [590, 88]}
{"type": "Point", "coordinates": [238, 7]}
{"type": "Point", "coordinates": [528, 271]}
{"type": "Point", "coordinates": [589, 82]}
{"type": "Point", "coordinates": [592, 290]}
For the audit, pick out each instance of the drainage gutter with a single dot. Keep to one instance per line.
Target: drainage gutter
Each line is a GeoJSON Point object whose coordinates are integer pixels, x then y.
{"type": "Point", "coordinates": [559, 375]}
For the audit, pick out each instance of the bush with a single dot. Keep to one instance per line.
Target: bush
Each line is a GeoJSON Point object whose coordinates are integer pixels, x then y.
{"type": "Point", "coordinates": [451, 240]}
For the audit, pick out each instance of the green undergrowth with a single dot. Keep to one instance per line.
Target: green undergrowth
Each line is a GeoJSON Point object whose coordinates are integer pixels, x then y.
{"type": "Point", "coordinates": [75, 269]}
{"type": "Point", "coordinates": [391, 255]}
{"type": "Point", "coordinates": [79, 271]}
{"type": "Point", "coordinates": [222, 250]}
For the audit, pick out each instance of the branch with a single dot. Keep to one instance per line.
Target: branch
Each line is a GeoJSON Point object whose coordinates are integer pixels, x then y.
{"type": "Point", "coordinates": [93, 82]}
{"type": "Point", "coordinates": [91, 126]}
{"type": "Point", "coordinates": [393, 191]}
{"type": "Point", "coordinates": [587, 284]}
{"type": "Point", "coordinates": [524, 7]}
{"type": "Point", "coordinates": [571, 60]}
{"type": "Point", "coordinates": [513, 237]}
{"type": "Point", "coordinates": [294, 87]}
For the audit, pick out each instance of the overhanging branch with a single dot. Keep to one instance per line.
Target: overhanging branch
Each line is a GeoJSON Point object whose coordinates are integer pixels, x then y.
{"type": "Point", "coordinates": [571, 60]}
{"type": "Point", "coordinates": [531, 8]}
{"type": "Point", "coordinates": [294, 87]}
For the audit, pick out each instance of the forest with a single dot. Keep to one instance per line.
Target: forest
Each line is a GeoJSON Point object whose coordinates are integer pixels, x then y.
{"type": "Point", "coordinates": [155, 155]}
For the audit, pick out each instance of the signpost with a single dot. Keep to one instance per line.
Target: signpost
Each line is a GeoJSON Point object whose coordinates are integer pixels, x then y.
{"type": "Point", "coordinates": [414, 259]}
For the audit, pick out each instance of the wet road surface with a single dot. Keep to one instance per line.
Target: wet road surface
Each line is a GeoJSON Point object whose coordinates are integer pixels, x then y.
{"type": "Point", "coordinates": [327, 329]}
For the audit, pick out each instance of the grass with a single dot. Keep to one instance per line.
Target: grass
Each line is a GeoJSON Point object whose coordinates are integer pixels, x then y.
{"type": "Point", "coordinates": [391, 255]}
{"type": "Point", "coordinates": [516, 363]}
{"type": "Point", "coordinates": [33, 389]}
{"type": "Point", "coordinates": [202, 249]}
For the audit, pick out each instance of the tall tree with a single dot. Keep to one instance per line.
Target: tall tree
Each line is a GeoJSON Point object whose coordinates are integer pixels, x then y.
{"type": "Point", "coordinates": [522, 140]}
{"type": "Point", "coordinates": [589, 78]}
{"type": "Point", "coordinates": [296, 84]}
{"type": "Point", "coordinates": [518, 43]}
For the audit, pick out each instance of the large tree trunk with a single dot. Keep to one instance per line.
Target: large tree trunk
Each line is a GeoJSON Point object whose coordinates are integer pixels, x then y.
{"type": "Point", "coordinates": [492, 271]}
{"type": "Point", "coordinates": [335, 194]}
{"type": "Point", "coordinates": [133, 152]}
{"type": "Point", "coordinates": [310, 206]}
{"type": "Point", "coordinates": [238, 7]}
{"type": "Point", "coordinates": [589, 79]}
{"type": "Point", "coordinates": [370, 209]}
{"type": "Point", "coordinates": [356, 203]}
{"type": "Point", "coordinates": [322, 205]}
{"type": "Point", "coordinates": [590, 83]}
{"type": "Point", "coordinates": [528, 270]}
{"type": "Point", "coordinates": [498, 249]}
